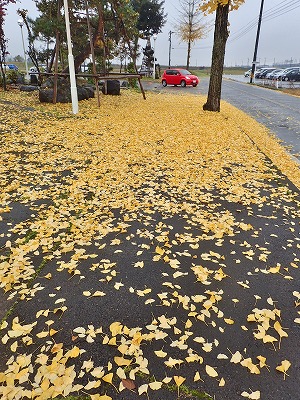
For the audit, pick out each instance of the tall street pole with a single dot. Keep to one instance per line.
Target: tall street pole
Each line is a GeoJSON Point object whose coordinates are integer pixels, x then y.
{"type": "Point", "coordinates": [74, 95]}
{"type": "Point", "coordinates": [256, 42]}
{"type": "Point", "coordinates": [170, 47]}
{"type": "Point", "coordinates": [154, 66]}
{"type": "Point", "coordinates": [21, 23]}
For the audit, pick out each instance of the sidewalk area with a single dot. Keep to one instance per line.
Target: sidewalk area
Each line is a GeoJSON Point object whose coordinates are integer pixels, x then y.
{"type": "Point", "coordinates": [149, 249]}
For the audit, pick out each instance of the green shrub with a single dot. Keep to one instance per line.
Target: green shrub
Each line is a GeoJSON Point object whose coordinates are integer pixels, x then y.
{"type": "Point", "coordinates": [132, 81]}
{"type": "Point", "coordinates": [12, 76]}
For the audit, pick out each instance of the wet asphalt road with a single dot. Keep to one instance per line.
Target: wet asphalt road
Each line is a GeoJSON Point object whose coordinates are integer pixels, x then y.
{"type": "Point", "coordinates": [276, 110]}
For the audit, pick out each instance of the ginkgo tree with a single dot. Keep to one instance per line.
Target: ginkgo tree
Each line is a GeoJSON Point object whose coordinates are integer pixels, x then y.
{"type": "Point", "coordinates": [222, 9]}
{"type": "Point", "coordinates": [190, 26]}
{"type": "Point", "coordinates": [3, 4]}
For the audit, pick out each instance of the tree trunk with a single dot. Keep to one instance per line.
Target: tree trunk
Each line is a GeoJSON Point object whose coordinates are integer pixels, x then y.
{"type": "Point", "coordinates": [188, 55]}
{"type": "Point", "coordinates": [218, 55]}
{"type": "Point", "coordinates": [3, 76]}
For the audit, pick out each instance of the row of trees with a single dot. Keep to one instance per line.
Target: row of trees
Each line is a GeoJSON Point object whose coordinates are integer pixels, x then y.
{"type": "Point", "coordinates": [117, 26]}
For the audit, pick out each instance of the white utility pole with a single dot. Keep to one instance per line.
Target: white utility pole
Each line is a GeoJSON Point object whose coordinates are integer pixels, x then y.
{"type": "Point", "coordinates": [21, 24]}
{"type": "Point", "coordinates": [74, 95]}
{"type": "Point", "coordinates": [154, 39]}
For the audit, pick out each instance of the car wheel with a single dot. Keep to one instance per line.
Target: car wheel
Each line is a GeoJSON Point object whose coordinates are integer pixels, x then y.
{"type": "Point", "coordinates": [183, 84]}
{"type": "Point", "coordinates": [164, 83]}
{"type": "Point", "coordinates": [195, 85]}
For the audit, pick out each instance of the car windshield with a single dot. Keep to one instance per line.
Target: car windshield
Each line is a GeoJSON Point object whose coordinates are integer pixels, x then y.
{"type": "Point", "coordinates": [184, 72]}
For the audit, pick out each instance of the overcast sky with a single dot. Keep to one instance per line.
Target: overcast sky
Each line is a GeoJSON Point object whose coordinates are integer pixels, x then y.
{"type": "Point", "coordinates": [279, 37]}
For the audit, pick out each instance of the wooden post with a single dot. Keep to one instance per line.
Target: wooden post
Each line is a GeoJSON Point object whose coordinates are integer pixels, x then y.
{"type": "Point", "coordinates": [142, 89]}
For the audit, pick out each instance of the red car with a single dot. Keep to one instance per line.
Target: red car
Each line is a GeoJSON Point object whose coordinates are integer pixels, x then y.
{"type": "Point", "coordinates": [178, 76]}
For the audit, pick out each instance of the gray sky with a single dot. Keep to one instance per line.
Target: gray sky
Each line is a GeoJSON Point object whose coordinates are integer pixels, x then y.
{"type": "Point", "coordinates": [279, 37]}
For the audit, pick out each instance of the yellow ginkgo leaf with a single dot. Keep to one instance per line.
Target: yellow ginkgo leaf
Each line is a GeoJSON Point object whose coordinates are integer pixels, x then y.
{"type": "Point", "coordinates": [139, 264]}
{"type": "Point", "coordinates": [159, 250]}
{"type": "Point", "coordinates": [211, 371]}
{"type": "Point", "coordinates": [255, 395]}
{"type": "Point", "coordinates": [188, 324]}
{"type": "Point", "coordinates": [172, 362]}
{"type": "Point", "coordinates": [117, 285]}
{"type": "Point", "coordinates": [179, 380]}
{"type": "Point", "coordinates": [42, 334]}
{"type": "Point", "coordinates": [100, 397]}
{"type": "Point", "coordinates": [115, 328]}
{"type": "Point", "coordinates": [123, 348]}
{"type": "Point", "coordinates": [73, 353]}
{"type": "Point", "coordinates": [262, 361]}
{"type": "Point", "coordinates": [121, 374]}
{"type": "Point", "coordinates": [207, 347]}
{"type": "Point", "coordinates": [222, 382]}
{"type": "Point", "coordinates": [143, 389]}
{"type": "Point", "coordinates": [155, 385]}
{"type": "Point", "coordinates": [14, 346]}
{"type": "Point", "coordinates": [252, 396]}
{"type": "Point", "coordinates": [97, 372]}
{"type": "Point", "coordinates": [108, 377]}
{"type": "Point", "coordinates": [274, 270]}
{"type": "Point", "coordinates": [121, 361]}
{"type": "Point", "coordinates": [247, 362]}
{"type": "Point", "coordinates": [79, 330]}
{"type": "Point", "coordinates": [222, 356]}
{"type": "Point", "coordinates": [236, 357]}
{"type": "Point", "coordinates": [160, 353]}
{"type": "Point", "coordinates": [98, 293]}
{"type": "Point", "coordinates": [278, 328]}
{"type": "Point", "coordinates": [269, 339]}
{"type": "Point", "coordinates": [283, 367]}
{"type": "Point", "coordinates": [149, 301]}
{"type": "Point", "coordinates": [197, 377]}
{"type": "Point", "coordinates": [92, 385]}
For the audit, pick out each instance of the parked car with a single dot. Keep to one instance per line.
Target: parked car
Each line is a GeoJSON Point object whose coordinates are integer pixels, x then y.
{"type": "Point", "coordinates": [247, 73]}
{"type": "Point", "coordinates": [284, 71]}
{"type": "Point", "coordinates": [292, 75]}
{"type": "Point", "coordinates": [144, 71]}
{"type": "Point", "coordinates": [178, 76]}
{"type": "Point", "coordinates": [33, 70]}
{"type": "Point", "coordinates": [271, 75]}
{"type": "Point", "coordinates": [258, 72]}
{"type": "Point", "coordinates": [263, 72]}
{"type": "Point", "coordinates": [12, 66]}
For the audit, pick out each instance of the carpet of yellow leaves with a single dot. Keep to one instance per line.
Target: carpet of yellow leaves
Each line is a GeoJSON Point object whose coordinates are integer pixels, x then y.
{"type": "Point", "coordinates": [137, 158]}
